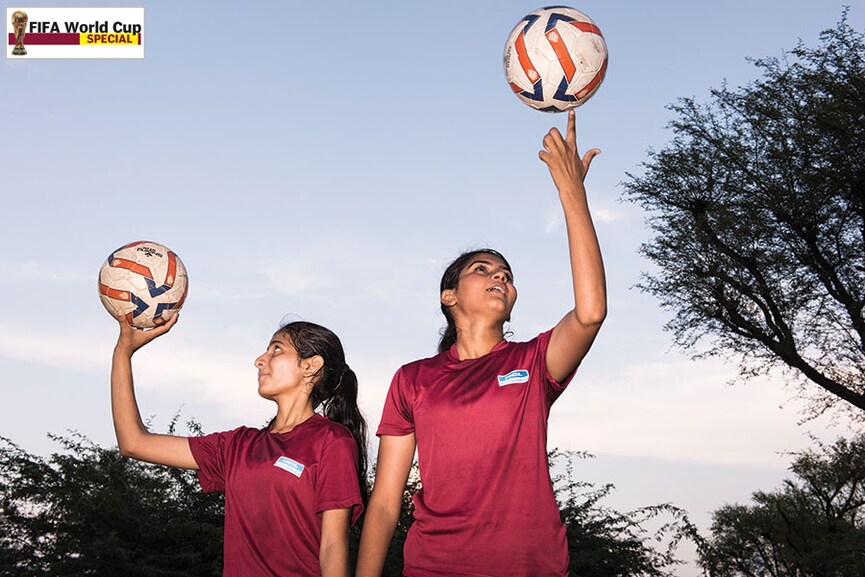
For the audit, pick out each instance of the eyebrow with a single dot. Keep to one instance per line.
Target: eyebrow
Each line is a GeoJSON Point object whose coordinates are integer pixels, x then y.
{"type": "Point", "coordinates": [488, 262]}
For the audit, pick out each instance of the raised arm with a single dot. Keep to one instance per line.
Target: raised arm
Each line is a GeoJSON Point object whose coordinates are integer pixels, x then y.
{"type": "Point", "coordinates": [133, 438]}
{"type": "Point", "coordinates": [574, 334]}
{"type": "Point", "coordinates": [395, 455]}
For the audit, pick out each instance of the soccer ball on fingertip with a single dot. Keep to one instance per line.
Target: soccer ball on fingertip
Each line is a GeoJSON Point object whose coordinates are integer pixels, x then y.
{"type": "Point", "coordinates": [143, 281]}
{"type": "Point", "coordinates": [555, 59]}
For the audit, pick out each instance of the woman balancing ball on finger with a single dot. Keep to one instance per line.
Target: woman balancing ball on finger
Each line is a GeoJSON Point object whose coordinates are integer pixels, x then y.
{"type": "Point", "coordinates": [477, 413]}
{"type": "Point", "coordinates": [292, 488]}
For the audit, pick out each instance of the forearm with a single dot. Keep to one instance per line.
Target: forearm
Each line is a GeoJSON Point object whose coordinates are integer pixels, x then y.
{"type": "Point", "coordinates": [128, 426]}
{"type": "Point", "coordinates": [133, 438]}
{"type": "Point", "coordinates": [587, 266]}
{"type": "Point", "coordinates": [378, 529]}
{"type": "Point", "coordinates": [333, 559]}
{"type": "Point", "coordinates": [333, 549]}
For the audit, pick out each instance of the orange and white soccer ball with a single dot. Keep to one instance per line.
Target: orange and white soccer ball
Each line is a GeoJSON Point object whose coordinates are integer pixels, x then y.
{"type": "Point", "coordinates": [555, 59]}
{"type": "Point", "coordinates": [143, 281]}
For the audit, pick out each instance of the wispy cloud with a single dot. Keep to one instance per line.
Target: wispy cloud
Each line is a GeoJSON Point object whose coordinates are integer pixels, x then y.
{"type": "Point", "coordinates": [605, 214]}
{"type": "Point", "coordinates": [181, 369]}
{"type": "Point", "coordinates": [30, 271]}
{"type": "Point", "coordinates": [682, 411]}
{"type": "Point", "coordinates": [555, 220]}
{"type": "Point", "coordinates": [294, 277]}
{"type": "Point", "coordinates": [183, 374]}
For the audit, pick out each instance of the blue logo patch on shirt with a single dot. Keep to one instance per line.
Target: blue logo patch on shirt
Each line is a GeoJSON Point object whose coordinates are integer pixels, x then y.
{"type": "Point", "coordinates": [514, 377]}
{"type": "Point", "coordinates": [289, 465]}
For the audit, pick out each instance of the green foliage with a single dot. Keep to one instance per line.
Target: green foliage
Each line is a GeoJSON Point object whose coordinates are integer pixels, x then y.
{"type": "Point", "coordinates": [758, 210]}
{"type": "Point", "coordinates": [812, 527]}
{"type": "Point", "coordinates": [88, 511]}
{"type": "Point", "coordinates": [604, 542]}
{"type": "Point", "coordinates": [393, 563]}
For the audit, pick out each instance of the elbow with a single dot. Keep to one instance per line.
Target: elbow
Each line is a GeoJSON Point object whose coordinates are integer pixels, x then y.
{"type": "Point", "coordinates": [126, 450]}
{"type": "Point", "coordinates": [129, 448]}
{"type": "Point", "coordinates": [383, 508]}
{"type": "Point", "coordinates": [592, 317]}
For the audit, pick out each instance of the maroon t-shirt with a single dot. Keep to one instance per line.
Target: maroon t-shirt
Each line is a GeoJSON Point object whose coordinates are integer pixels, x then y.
{"type": "Point", "coordinates": [276, 487]}
{"type": "Point", "coordinates": [487, 505]}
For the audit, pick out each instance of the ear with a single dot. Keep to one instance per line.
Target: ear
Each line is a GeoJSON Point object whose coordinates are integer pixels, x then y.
{"type": "Point", "coordinates": [312, 365]}
{"type": "Point", "coordinates": [448, 297]}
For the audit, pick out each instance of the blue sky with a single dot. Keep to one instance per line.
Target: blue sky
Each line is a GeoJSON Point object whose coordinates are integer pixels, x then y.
{"type": "Point", "coordinates": [325, 162]}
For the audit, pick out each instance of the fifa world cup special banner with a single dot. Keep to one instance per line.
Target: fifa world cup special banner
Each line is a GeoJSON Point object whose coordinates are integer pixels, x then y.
{"type": "Point", "coordinates": [52, 32]}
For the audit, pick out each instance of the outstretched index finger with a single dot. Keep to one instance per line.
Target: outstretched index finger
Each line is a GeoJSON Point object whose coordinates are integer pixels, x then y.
{"type": "Point", "coordinates": [572, 127]}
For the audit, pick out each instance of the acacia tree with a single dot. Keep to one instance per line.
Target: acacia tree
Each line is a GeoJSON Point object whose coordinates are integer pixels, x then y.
{"type": "Point", "coordinates": [756, 206]}
{"type": "Point", "coordinates": [88, 511]}
{"type": "Point", "coordinates": [812, 527]}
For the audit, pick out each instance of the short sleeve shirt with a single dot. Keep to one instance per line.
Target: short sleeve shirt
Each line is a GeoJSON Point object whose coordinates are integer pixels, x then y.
{"type": "Point", "coordinates": [487, 505]}
{"type": "Point", "coordinates": [276, 487]}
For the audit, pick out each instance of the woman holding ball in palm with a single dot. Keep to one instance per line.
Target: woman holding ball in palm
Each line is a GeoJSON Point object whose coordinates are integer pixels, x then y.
{"type": "Point", "coordinates": [477, 412]}
{"type": "Point", "coordinates": [292, 488]}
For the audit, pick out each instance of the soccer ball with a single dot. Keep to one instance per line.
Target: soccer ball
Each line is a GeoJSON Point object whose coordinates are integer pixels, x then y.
{"type": "Point", "coordinates": [555, 58]}
{"type": "Point", "coordinates": [143, 281]}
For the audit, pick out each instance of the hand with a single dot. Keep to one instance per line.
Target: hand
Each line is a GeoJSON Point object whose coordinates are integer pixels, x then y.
{"type": "Point", "coordinates": [562, 158]}
{"type": "Point", "coordinates": [132, 339]}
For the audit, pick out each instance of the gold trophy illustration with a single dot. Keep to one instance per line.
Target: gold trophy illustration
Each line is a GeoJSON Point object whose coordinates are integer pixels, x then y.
{"type": "Point", "coordinates": [19, 23]}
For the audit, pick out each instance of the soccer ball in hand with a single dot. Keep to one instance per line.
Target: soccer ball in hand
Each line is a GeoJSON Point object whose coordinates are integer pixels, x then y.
{"type": "Point", "coordinates": [555, 58]}
{"type": "Point", "coordinates": [143, 281]}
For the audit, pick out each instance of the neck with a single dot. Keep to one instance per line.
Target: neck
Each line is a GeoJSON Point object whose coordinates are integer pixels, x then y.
{"type": "Point", "coordinates": [290, 414]}
{"type": "Point", "coordinates": [474, 342]}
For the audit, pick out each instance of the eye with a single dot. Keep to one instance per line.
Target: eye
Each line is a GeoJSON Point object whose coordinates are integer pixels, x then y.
{"type": "Point", "coordinates": [481, 268]}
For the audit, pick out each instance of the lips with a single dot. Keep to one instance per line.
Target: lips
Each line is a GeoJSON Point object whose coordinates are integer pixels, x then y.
{"type": "Point", "coordinates": [499, 289]}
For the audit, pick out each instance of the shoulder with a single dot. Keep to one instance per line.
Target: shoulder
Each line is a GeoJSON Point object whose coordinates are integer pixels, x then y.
{"type": "Point", "coordinates": [425, 364]}
{"type": "Point", "coordinates": [217, 446]}
{"type": "Point", "coordinates": [227, 436]}
{"type": "Point", "coordinates": [330, 428]}
{"type": "Point", "coordinates": [329, 432]}
{"type": "Point", "coordinates": [333, 437]}
{"type": "Point", "coordinates": [539, 342]}
{"type": "Point", "coordinates": [433, 364]}
{"type": "Point", "coordinates": [411, 372]}
{"type": "Point", "coordinates": [528, 355]}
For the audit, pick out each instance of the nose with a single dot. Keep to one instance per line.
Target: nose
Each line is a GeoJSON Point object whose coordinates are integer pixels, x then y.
{"type": "Point", "coordinates": [500, 275]}
{"type": "Point", "coordinates": [259, 362]}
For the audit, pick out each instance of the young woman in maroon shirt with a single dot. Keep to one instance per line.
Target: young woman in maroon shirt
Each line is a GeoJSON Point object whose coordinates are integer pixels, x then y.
{"type": "Point", "coordinates": [477, 413]}
{"type": "Point", "coordinates": [292, 488]}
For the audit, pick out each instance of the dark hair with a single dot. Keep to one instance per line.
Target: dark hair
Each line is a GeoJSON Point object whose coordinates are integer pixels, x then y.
{"type": "Point", "coordinates": [450, 278]}
{"type": "Point", "coordinates": [335, 391]}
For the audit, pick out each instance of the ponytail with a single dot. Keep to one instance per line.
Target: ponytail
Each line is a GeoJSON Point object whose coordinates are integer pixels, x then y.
{"type": "Point", "coordinates": [335, 391]}
{"type": "Point", "coordinates": [341, 407]}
